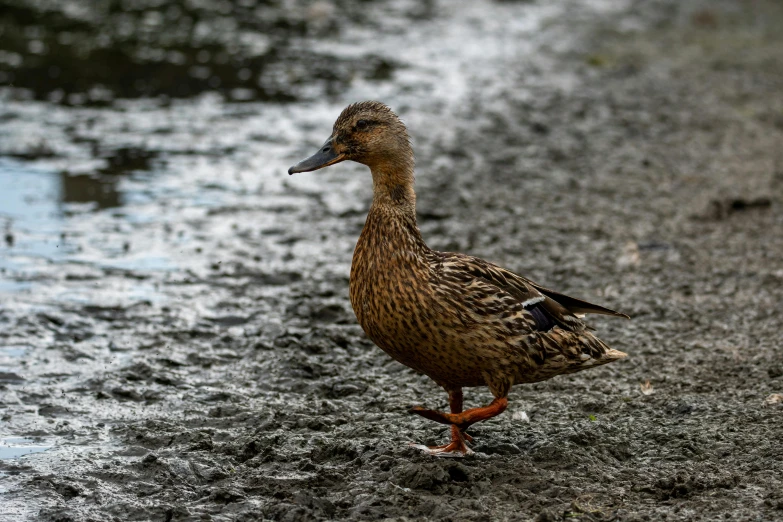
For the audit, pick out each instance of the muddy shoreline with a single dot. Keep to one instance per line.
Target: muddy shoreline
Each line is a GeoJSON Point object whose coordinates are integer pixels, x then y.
{"type": "Point", "coordinates": [176, 341]}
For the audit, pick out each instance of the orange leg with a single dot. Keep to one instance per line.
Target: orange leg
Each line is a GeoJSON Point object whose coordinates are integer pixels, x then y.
{"type": "Point", "coordinates": [459, 421]}
{"type": "Point", "coordinates": [464, 419]}
{"type": "Point", "coordinates": [455, 403]}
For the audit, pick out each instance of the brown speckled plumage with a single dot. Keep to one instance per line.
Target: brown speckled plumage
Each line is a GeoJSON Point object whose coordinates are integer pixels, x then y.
{"type": "Point", "coordinates": [458, 319]}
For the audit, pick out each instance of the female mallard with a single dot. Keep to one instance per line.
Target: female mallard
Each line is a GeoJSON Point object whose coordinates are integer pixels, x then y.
{"type": "Point", "coordinates": [458, 319]}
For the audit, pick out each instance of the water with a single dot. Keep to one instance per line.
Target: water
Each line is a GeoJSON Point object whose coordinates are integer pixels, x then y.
{"type": "Point", "coordinates": [17, 447]}
{"type": "Point", "coordinates": [30, 213]}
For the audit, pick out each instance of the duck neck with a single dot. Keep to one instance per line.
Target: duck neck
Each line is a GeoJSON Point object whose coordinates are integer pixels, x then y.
{"type": "Point", "coordinates": [393, 209]}
{"type": "Point", "coordinates": [392, 183]}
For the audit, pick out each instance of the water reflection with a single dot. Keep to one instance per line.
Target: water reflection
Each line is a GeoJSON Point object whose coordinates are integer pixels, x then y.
{"type": "Point", "coordinates": [127, 159]}
{"type": "Point", "coordinates": [30, 214]}
{"type": "Point", "coordinates": [30, 195]}
{"type": "Point", "coordinates": [15, 447]}
{"type": "Point", "coordinates": [84, 188]}
{"type": "Point", "coordinates": [35, 201]}
{"type": "Point", "coordinates": [101, 188]}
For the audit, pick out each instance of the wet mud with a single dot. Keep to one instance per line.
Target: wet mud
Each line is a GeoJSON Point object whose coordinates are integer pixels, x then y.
{"type": "Point", "coordinates": [176, 341]}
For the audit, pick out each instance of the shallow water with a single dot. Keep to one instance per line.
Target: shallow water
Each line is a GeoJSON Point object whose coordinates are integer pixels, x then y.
{"type": "Point", "coordinates": [15, 447]}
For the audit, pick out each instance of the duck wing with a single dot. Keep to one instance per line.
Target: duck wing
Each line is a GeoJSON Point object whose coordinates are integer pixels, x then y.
{"type": "Point", "coordinates": [488, 289]}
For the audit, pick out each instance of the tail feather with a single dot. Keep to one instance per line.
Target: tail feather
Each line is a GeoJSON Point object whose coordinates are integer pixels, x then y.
{"type": "Point", "coordinates": [595, 352]}
{"type": "Point", "coordinates": [614, 355]}
{"type": "Point", "coordinates": [561, 352]}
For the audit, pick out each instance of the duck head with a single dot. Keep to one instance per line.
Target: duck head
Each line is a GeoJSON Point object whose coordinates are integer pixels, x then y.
{"type": "Point", "coordinates": [366, 132]}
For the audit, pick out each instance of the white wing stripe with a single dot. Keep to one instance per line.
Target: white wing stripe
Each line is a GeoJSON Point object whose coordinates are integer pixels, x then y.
{"type": "Point", "coordinates": [532, 301]}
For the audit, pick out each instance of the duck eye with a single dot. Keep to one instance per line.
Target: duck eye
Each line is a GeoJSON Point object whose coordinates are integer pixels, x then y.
{"type": "Point", "coordinates": [361, 124]}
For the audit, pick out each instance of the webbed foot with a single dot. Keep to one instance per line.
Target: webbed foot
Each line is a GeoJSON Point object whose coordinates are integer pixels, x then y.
{"type": "Point", "coordinates": [456, 448]}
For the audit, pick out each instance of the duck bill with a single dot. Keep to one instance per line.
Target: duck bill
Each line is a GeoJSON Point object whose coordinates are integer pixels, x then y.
{"type": "Point", "coordinates": [325, 156]}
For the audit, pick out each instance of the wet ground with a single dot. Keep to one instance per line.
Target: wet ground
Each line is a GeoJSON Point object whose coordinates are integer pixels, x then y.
{"type": "Point", "coordinates": [176, 341]}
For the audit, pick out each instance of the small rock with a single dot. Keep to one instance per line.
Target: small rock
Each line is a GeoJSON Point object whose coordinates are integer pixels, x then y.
{"type": "Point", "coordinates": [630, 256]}
{"type": "Point", "coordinates": [775, 398]}
{"type": "Point", "coordinates": [226, 495]}
{"type": "Point", "coordinates": [149, 459]}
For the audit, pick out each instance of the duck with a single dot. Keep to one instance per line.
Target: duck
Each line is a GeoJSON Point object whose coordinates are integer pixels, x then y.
{"type": "Point", "coordinates": [460, 320]}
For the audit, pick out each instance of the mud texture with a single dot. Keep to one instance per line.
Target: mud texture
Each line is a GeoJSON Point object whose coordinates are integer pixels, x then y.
{"type": "Point", "coordinates": [176, 341]}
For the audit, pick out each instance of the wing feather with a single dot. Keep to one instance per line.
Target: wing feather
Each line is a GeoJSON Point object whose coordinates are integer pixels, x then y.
{"type": "Point", "coordinates": [543, 307]}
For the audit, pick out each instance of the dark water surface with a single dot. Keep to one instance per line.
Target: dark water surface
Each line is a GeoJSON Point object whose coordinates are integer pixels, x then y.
{"type": "Point", "coordinates": [176, 341]}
